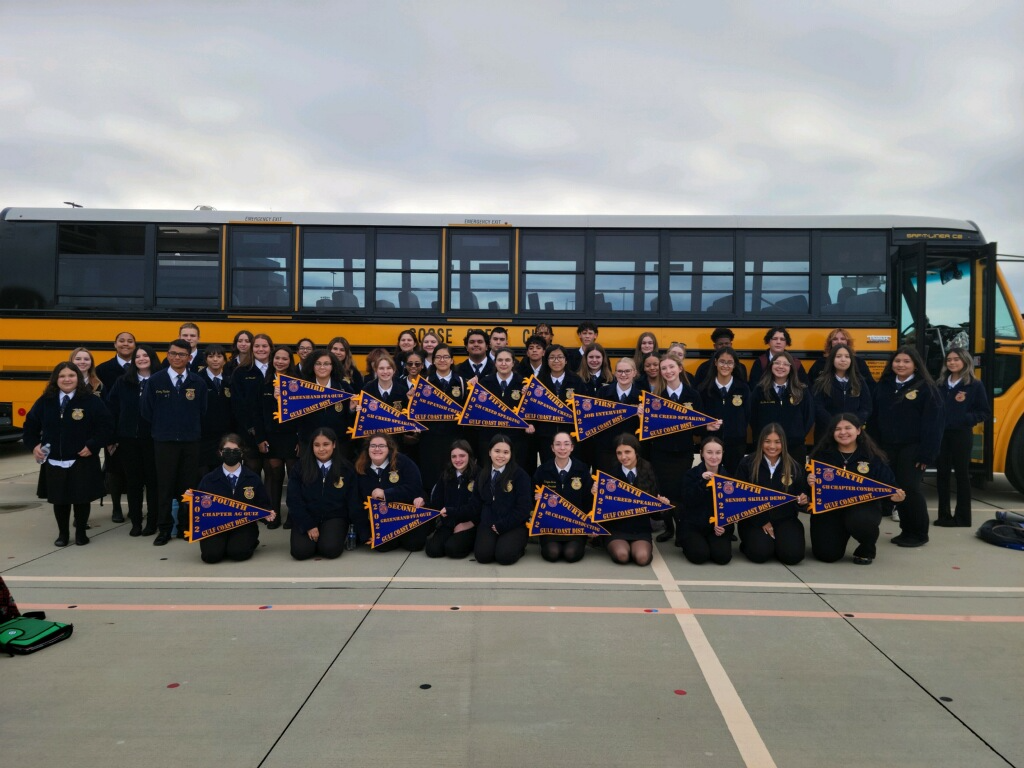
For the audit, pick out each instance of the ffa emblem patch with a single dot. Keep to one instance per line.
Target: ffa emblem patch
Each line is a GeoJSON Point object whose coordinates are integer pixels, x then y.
{"type": "Point", "coordinates": [569, 392]}
{"type": "Point", "coordinates": [508, 487]}
{"type": "Point", "coordinates": [338, 407]}
{"type": "Point", "coordinates": [791, 401]}
{"type": "Point", "coordinates": [656, 405]}
{"type": "Point", "coordinates": [293, 386]}
{"type": "Point", "coordinates": [576, 483]}
{"type": "Point", "coordinates": [828, 475]}
{"type": "Point", "coordinates": [469, 486]}
{"type": "Point", "coordinates": [863, 467]}
{"type": "Point", "coordinates": [515, 394]}
{"type": "Point", "coordinates": [587, 405]}
{"type": "Point", "coordinates": [456, 391]}
{"type": "Point", "coordinates": [227, 392]}
{"type": "Point", "coordinates": [610, 486]}
{"type": "Point", "coordinates": [961, 396]}
{"type": "Point", "coordinates": [538, 391]}
{"type": "Point", "coordinates": [373, 405]}
{"type": "Point", "coordinates": [427, 390]}
{"type": "Point", "coordinates": [77, 414]}
{"type": "Point", "coordinates": [190, 394]}
{"type": "Point", "coordinates": [687, 406]}
{"type": "Point", "coordinates": [912, 394]}
{"type": "Point", "coordinates": [728, 487]}
{"type": "Point", "coordinates": [482, 397]}
{"type": "Point", "coordinates": [393, 476]}
{"type": "Point", "coordinates": [339, 483]}
{"type": "Point", "coordinates": [206, 502]}
{"type": "Point", "coordinates": [737, 400]}
{"type": "Point", "coordinates": [249, 492]}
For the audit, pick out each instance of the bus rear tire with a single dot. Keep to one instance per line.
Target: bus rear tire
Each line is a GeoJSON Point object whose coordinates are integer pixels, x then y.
{"type": "Point", "coordinates": [1015, 458]}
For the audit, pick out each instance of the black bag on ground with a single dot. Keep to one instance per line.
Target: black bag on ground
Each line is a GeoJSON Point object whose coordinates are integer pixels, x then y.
{"type": "Point", "coordinates": [1009, 535]}
{"type": "Point", "coordinates": [25, 635]}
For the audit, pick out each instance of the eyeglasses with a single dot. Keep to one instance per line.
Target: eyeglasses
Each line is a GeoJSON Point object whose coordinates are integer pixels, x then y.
{"type": "Point", "coordinates": [442, 357]}
{"type": "Point", "coordinates": [726, 363]}
{"type": "Point", "coordinates": [556, 357]}
{"type": "Point", "coordinates": [323, 363]}
{"type": "Point", "coordinates": [411, 364]}
{"type": "Point", "coordinates": [378, 446]}
{"type": "Point", "coordinates": [177, 354]}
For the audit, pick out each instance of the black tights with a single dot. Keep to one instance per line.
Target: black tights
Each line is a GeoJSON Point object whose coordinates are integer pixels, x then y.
{"type": "Point", "coordinates": [62, 512]}
{"type": "Point", "coordinates": [572, 551]}
{"type": "Point", "coordinates": [273, 479]}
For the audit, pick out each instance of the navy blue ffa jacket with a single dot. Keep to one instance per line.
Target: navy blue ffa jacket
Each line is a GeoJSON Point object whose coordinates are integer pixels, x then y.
{"type": "Point", "coordinates": [862, 368]}
{"type": "Point", "coordinates": [732, 406]}
{"type": "Point", "coordinates": [575, 487]}
{"type": "Point", "coordinates": [505, 504]}
{"type": "Point", "coordinates": [779, 481]}
{"type": "Point", "coordinates": [679, 442]}
{"type": "Point", "coordinates": [698, 505]}
{"type": "Point", "coordinates": [707, 370]}
{"type": "Point", "coordinates": [109, 372]}
{"type": "Point", "coordinates": [873, 467]}
{"type": "Point", "coordinates": [571, 383]}
{"type": "Point", "coordinates": [335, 496]}
{"type": "Point", "coordinates": [909, 414]}
{"type": "Point", "coordinates": [268, 427]}
{"type": "Point", "coordinates": [455, 388]}
{"type": "Point", "coordinates": [248, 490]}
{"type": "Point", "coordinates": [592, 386]}
{"type": "Point", "coordinates": [176, 416]}
{"type": "Point", "coordinates": [247, 383]}
{"type": "Point", "coordinates": [400, 482]}
{"type": "Point", "coordinates": [796, 418]}
{"type": "Point", "coordinates": [124, 401]}
{"type": "Point", "coordinates": [762, 364]}
{"type": "Point", "coordinates": [605, 440]}
{"type": "Point", "coordinates": [455, 497]}
{"type": "Point", "coordinates": [338, 417]}
{"type": "Point", "coordinates": [513, 392]}
{"type": "Point", "coordinates": [219, 418]}
{"type": "Point", "coordinates": [840, 400]}
{"type": "Point", "coordinates": [964, 405]}
{"type": "Point", "coordinates": [86, 423]}
{"type": "Point", "coordinates": [646, 482]}
{"type": "Point", "coordinates": [465, 369]}
{"type": "Point", "coordinates": [398, 393]}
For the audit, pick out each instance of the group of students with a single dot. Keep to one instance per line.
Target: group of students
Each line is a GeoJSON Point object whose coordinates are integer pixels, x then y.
{"type": "Point", "coordinates": [205, 419]}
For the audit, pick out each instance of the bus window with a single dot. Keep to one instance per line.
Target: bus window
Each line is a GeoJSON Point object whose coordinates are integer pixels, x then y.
{"type": "Point", "coordinates": [553, 271]}
{"type": "Point", "coordinates": [101, 265]}
{"type": "Point", "coordinates": [709, 262]}
{"type": "Point", "coordinates": [260, 261]}
{"type": "Point", "coordinates": [28, 260]}
{"type": "Point", "coordinates": [776, 272]}
{"type": "Point", "coordinates": [626, 272]}
{"type": "Point", "coordinates": [854, 268]}
{"type": "Point", "coordinates": [188, 267]}
{"type": "Point", "coordinates": [480, 270]}
{"type": "Point", "coordinates": [1006, 328]}
{"type": "Point", "coordinates": [407, 270]}
{"type": "Point", "coordinates": [333, 269]}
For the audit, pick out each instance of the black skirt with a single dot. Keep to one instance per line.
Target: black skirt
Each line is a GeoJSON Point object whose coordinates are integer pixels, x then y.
{"type": "Point", "coordinates": [80, 483]}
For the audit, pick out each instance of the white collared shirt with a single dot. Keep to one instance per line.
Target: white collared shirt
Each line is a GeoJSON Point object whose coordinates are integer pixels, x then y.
{"type": "Point", "coordinates": [772, 467]}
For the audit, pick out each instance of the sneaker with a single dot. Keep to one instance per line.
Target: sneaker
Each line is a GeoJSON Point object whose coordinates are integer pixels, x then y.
{"type": "Point", "coordinates": [895, 515]}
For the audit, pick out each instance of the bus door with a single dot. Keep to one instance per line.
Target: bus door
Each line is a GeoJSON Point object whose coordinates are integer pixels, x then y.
{"type": "Point", "coordinates": [944, 292]}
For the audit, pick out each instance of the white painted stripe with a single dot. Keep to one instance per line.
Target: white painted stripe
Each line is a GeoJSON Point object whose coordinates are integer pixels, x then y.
{"type": "Point", "coordinates": [748, 740]}
{"type": "Point", "coordinates": [793, 585]}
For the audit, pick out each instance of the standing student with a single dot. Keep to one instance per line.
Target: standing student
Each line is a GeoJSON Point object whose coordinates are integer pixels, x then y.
{"type": "Point", "coordinates": [277, 441]}
{"type": "Point", "coordinates": [108, 373]}
{"type": "Point", "coordinates": [350, 375]}
{"type": "Point", "coordinates": [841, 337]}
{"type": "Point", "coordinates": [563, 384]}
{"type": "Point", "coordinates": [840, 389]}
{"type": "Point", "coordinates": [778, 531]}
{"type": "Point", "coordinates": [570, 479]}
{"type": "Point", "coordinates": [303, 349]}
{"type": "Point", "coordinates": [646, 346]}
{"type": "Point", "coordinates": [174, 402]}
{"type": "Point", "coordinates": [134, 439]}
{"type": "Point", "coordinates": [504, 501]}
{"type": "Point", "coordinates": [532, 363]}
{"type": "Point", "coordinates": [671, 455]}
{"type": "Point", "coordinates": [190, 333]}
{"type": "Point", "coordinates": [241, 352]}
{"type": "Point", "coordinates": [506, 386]}
{"type": "Point", "coordinates": [846, 445]}
{"type": "Point", "coordinates": [406, 343]}
{"type": "Point", "coordinates": [435, 443]}
{"type": "Point", "coordinates": [587, 333]}
{"type": "Point", "coordinates": [594, 369]}
{"type": "Point", "coordinates": [650, 374]}
{"type": "Point", "coordinates": [478, 364]}
{"type": "Point", "coordinates": [778, 340]}
{"type": "Point", "coordinates": [701, 539]}
{"type": "Point", "coordinates": [321, 367]}
{"type": "Point", "coordinates": [545, 331]}
{"type": "Point", "coordinates": [454, 533]}
{"type": "Point", "coordinates": [497, 339]}
{"type": "Point", "coordinates": [428, 344]}
{"type": "Point", "coordinates": [218, 419]}
{"type": "Point", "coordinates": [83, 360]}
{"type": "Point", "coordinates": [728, 399]}
{"type": "Point", "coordinates": [65, 429]}
{"type": "Point", "coordinates": [965, 404]}
{"type": "Point", "coordinates": [721, 338]}
{"type": "Point", "coordinates": [781, 397]}
{"type": "Point", "coordinates": [908, 421]}
{"type": "Point", "coordinates": [386, 474]}
{"type": "Point", "coordinates": [323, 498]}
{"type": "Point", "coordinates": [233, 481]}
{"type": "Point", "coordinates": [630, 538]}
{"type": "Point", "coordinates": [247, 385]}
{"type": "Point", "coordinates": [625, 390]}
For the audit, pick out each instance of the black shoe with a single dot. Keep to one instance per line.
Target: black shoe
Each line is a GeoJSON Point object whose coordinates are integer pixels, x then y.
{"type": "Point", "coordinates": [945, 522]}
{"type": "Point", "coordinates": [80, 538]}
{"type": "Point", "coordinates": [179, 535]}
{"type": "Point", "coordinates": [274, 525]}
{"type": "Point", "coordinates": [136, 530]}
{"type": "Point", "coordinates": [666, 536]}
{"type": "Point", "coordinates": [149, 530]}
{"type": "Point", "coordinates": [909, 541]}
{"type": "Point", "coordinates": [162, 539]}
{"type": "Point", "coordinates": [287, 524]}
{"type": "Point", "coordinates": [117, 517]}
{"type": "Point", "coordinates": [61, 540]}
{"type": "Point", "coordinates": [858, 560]}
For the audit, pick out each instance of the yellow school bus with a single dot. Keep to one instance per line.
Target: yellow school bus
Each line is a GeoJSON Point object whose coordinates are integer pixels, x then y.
{"type": "Point", "coordinates": [77, 277]}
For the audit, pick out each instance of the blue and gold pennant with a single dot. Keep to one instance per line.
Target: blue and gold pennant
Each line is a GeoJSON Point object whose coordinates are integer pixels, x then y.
{"type": "Point", "coordinates": [297, 397]}
{"type": "Point", "coordinates": [835, 488]}
{"type": "Point", "coordinates": [540, 404]}
{"type": "Point", "coordinates": [591, 415]}
{"type": "Point", "coordinates": [661, 416]}
{"type": "Point", "coordinates": [616, 499]}
{"type": "Point", "coordinates": [737, 500]}
{"type": "Point", "coordinates": [428, 403]}
{"type": "Point", "coordinates": [374, 416]}
{"type": "Point", "coordinates": [553, 515]}
{"type": "Point", "coordinates": [483, 409]}
{"type": "Point", "coordinates": [210, 514]}
{"type": "Point", "coordinates": [390, 519]}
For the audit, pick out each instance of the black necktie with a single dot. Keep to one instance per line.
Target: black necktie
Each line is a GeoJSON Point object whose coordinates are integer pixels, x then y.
{"type": "Point", "coordinates": [724, 391]}
{"type": "Point", "coordinates": [216, 384]}
{"type": "Point", "coordinates": [631, 477]}
{"type": "Point", "coordinates": [557, 386]}
{"type": "Point", "coordinates": [385, 395]}
{"type": "Point", "coordinates": [504, 389]}
{"type": "Point", "coordinates": [623, 398]}
{"type": "Point", "coordinates": [179, 382]}
{"type": "Point", "coordinates": [562, 477]}
{"type": "Point", "coordinates": [63, 403]}
{"type": "Point", "coordinates": [234, 481]}
{"type": "Point", "coordinates": [495, 474]}
{"type": "Point", "coordinates": [674, 398]}
{"type": "Point", "coordinates": [380, 473]}
{"type": "Point", "coordinates": [476, 368]}
{"type": "Point", "coordinates": [323, 471]}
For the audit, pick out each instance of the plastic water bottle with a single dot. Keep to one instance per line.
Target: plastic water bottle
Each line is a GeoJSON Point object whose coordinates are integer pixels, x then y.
{"type": "Point", "coordinates": [350, 540]}
{"type": "Point", "coordinates": [46, 452]}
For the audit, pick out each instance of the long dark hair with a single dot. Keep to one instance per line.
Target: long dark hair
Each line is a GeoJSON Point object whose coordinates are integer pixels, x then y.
{"type": "Point", "coordinates": [308, 367]}
{"type": "Point", "coordinates": [52, 389]}
{"type": "Point", "coordinates": [309, 466]}
{"type": "Point", "coordinates": [828, 374]}
{"type": "Point", "coordinates": [711, 382]}
{"type": "Point", "coordinates": [606, 368]}
{"type": "Point", "coordinates": [796, 387]}
{"type": "Point", "coordinates": [131, 371]}
{"type": "Point", "coordinates": [363, 462]}
{"type": "Point", "coordinates": [864, 441]}
{"type": "Point", "coordinates": [510, 468]}
{"type": "Point", "coordinates": [472, 469]}
{"type": "Point", "coordinates": [346, 364]}
{"type": "Point", "coordinates": [789, 467]}
{"type": "Point", "coordinates": [920, 370]}
{"type": "Point", "coordinates": [241, 358]}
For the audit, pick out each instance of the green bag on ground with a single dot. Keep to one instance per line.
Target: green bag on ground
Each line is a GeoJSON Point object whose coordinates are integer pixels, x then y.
{"type": "Point", "coordinates": [25, 635]}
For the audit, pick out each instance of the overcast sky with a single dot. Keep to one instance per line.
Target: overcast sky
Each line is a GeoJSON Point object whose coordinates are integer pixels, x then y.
{"type": "Point", "coordinates": [541, 107]}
